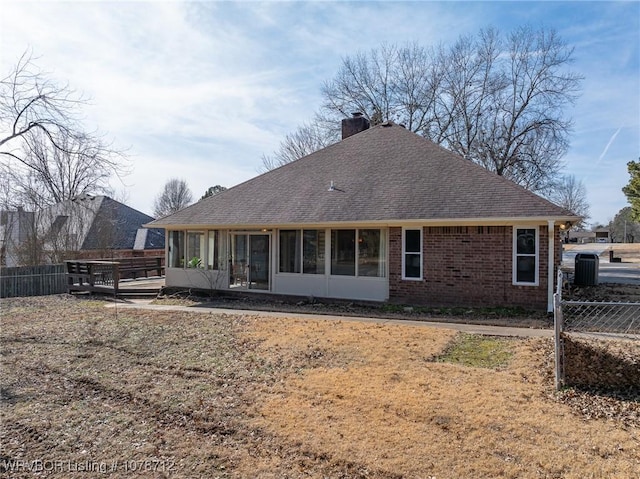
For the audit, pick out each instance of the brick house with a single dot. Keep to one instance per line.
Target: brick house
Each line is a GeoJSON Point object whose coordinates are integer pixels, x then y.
{"type": "Point", "coordinates": [383, 215]}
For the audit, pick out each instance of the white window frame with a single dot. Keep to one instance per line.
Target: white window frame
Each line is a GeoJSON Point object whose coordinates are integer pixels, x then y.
{"type": "Point", "coordinates": [515, 255]}
{"type": "Point", "coordinates": [404, 253]}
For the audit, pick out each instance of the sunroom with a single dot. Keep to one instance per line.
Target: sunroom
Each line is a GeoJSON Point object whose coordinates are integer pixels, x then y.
{"type": "Point", "coordinates": [337, 262]}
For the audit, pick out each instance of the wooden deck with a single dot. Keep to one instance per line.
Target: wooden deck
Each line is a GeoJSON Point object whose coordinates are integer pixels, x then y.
{"type": "Point", "coordinates": [110, 277]}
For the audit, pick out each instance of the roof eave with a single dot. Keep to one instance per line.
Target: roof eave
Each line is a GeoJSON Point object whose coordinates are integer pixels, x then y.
{"type": "Point", "coordinates": [489, 221]}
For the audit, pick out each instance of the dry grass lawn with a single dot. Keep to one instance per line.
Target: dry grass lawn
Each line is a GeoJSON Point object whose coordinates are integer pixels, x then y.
{"type": "Point", "coordinates": [187, 395]}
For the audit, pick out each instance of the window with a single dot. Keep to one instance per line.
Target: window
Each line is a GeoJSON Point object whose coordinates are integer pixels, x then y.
{"type": "Point", "coordinates": [176, 249]}
{"type": "Point", "coordinates": [195, 249]}
{"type": "Point", "coordinates": [525, 256]}
{"type": "Point", "coordinates": [353, 252]}
{"type": "Point", "coordinates": [343, 252]}
{"type": "Point", "coordinates": [301, 251]}
{"type": "Point", "coordinates": [290, 249]}
{"type": "Point", "coordinates": [371, 254]}
{"type": "Point", "coordinates": [313, 251]}
{"type": "Point", "coordinates": [213, 251]}
{"type": "Point", "coordinates": [369, 251]}
{"type": "Point", "coordinates": [412, 254]}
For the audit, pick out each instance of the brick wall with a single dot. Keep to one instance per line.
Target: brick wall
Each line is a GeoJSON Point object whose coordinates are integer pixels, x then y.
{"type": "Point", "coordinates": [467, 266]}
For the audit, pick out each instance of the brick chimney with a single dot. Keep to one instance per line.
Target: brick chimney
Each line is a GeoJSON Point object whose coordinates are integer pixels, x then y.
{"type": "Point", "coordinates": [356, 124]}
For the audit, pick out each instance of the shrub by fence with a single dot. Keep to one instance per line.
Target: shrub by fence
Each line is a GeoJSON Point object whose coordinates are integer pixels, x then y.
{"type": "Point", "coordinates": [32, 280]}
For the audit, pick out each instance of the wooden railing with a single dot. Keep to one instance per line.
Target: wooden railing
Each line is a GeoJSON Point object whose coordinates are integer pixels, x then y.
{"type": "Point", "coordinates": [105, 275]}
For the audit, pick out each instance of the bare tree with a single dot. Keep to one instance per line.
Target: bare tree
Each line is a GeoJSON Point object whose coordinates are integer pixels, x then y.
{"type": "Point", "coordinates": [392, 83]}
{"type": "Point", "coordinates": [174, 196]}
{"type": "Point", "coordinates": [571, 194]}
{"type": "Point", "coordinates": [47, 175]}
{"type": "Point", "coordinates": [523, 132]}
{"type": "Point", "coordinates": [46, 158]}
{"type": "Point", "coordinates": [304, 141]}
{"type": "Point", "coordinates": [44, 151]}
{"type": "Point", "coordinates": [497, 100]}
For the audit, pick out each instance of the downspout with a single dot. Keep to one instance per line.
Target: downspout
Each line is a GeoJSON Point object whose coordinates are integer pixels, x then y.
{"type": "Point", "coordinates": [550, 264]}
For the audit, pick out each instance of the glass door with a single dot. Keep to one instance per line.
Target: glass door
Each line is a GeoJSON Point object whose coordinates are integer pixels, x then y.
{"type": "Point", "coordinates": [239, 261]}
{"type": "Point", "coordinates": [259, 262]}
{"type": "Point", "coordinates": [250, 261]}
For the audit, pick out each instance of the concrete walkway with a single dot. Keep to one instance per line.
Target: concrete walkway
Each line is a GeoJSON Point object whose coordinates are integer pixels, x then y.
{"type": "Point", "coordinates": [467, 328]}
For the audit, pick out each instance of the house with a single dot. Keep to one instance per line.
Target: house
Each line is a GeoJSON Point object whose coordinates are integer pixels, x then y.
{"type": "Point", "coordinates": [15, 229]}
{"type": "Point", "coordinates": [599, 235]}
{"type": "Point", "coordinates": [85, 227]}
{"type": "Point", "coordinates": [383, 215]}
{"type": "Point", "coordinates": [602, 235]}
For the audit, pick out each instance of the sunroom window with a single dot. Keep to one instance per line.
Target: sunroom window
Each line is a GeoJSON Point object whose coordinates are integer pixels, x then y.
{"type": "Point", "coordinates": [354, 252]}
{"type": "Point", "coordinates": [371, 254]}
{"type": "Point", "coordinates": [301, 251]}
{"type": "Point", "coordinates": [195, 249]}
{"type": "Point", "coordinates": [365, 257]}
{"type": "Point", "coordinates": [290, 251]}
{"type": "Point", "coordinates": [213, 250]}
{"type": "Point", "coordinates": [313, 250]}
{"type": "Point", "coordinates": [343, 252]}
{"type": "Point", "coordinates": [176, 249]}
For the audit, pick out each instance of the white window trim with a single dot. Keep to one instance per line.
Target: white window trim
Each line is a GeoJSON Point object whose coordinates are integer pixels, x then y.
{"type": "Point", "coordinates": [404, 253]}
{"type": "Point", "coordinates": [514, 259]}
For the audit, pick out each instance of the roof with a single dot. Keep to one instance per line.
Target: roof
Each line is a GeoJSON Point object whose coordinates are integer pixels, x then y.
{"type": "Point", "coordinates": [120, 222]}
{"type": "Point", "coordinates": [383, 174]}
{"type": "Point", "coordinates": [102, 222]}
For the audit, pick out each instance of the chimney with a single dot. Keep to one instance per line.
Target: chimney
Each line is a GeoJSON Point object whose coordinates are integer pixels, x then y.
{"type": "Point", "coordinates": [356, 124]}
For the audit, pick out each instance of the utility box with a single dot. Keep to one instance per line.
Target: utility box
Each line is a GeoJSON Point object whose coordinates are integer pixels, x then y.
{"type": "Point", "coordinates": [587, 265]}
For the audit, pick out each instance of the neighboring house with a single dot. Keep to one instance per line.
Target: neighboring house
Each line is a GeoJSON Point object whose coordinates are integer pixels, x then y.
{"type": "Point", "coordinates": [581, 237]}
{"type": "Point", "coordinates": [16, 228]}
{"type": "Point", "coordinates": [600, 235]}
{"type": "Point", "coordinates": [85, 227]}
{"type": "Point", "coordinates": [383, 215]}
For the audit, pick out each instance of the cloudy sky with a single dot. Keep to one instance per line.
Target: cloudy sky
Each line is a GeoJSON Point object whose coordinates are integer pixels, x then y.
{"type": "Point", "coordinates": [201, 90]}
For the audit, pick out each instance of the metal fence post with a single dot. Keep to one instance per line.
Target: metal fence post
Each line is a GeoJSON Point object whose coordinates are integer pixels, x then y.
{"type": "Point", "coordinates": [558, 343]}
{"type": "Point", "coordinates": [557, 328]}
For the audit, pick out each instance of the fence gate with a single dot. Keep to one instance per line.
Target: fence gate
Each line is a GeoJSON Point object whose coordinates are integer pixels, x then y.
{"type": "Point", "coordinates": [603, 318]}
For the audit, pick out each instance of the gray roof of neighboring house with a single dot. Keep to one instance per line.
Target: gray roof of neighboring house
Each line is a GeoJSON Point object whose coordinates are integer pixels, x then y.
{"type": "Point", "coordinates": [103, 223]}
{"type": "Point", "coordinates": [386, 173]}
{"type": "Point", "coordinates": [125, 222]}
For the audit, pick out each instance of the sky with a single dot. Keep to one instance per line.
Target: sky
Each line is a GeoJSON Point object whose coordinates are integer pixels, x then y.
{"type": "Point", "coordinates": [201, 90]}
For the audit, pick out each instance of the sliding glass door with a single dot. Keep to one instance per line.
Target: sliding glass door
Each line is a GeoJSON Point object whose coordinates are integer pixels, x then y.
{"type": "Point", "coordinates": [250, 261]}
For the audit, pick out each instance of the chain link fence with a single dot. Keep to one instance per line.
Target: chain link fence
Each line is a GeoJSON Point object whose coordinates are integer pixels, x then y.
{"type": "Point", "coordinates": [596, 319]}
{"type": "Point", "coordinates": [601, 317]}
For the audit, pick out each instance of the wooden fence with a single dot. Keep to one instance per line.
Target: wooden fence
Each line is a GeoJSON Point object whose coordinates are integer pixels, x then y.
{"type": "Point", "coordinates": [33, 280]}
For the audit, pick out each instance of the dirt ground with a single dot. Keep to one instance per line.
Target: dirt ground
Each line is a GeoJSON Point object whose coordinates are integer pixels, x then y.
{"type": "Point", "coordinates": [628, 252]}
{"type": "Point", "coordinates": [604, 292]}
{"type": "Point", "coordinates": [92, 392]}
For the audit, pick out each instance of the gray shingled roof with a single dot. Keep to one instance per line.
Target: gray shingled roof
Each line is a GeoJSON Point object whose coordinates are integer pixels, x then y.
{"type": "Point", "coordinates": [386, 173]}
{"type": "Point", "coordinates": [119, 223]}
